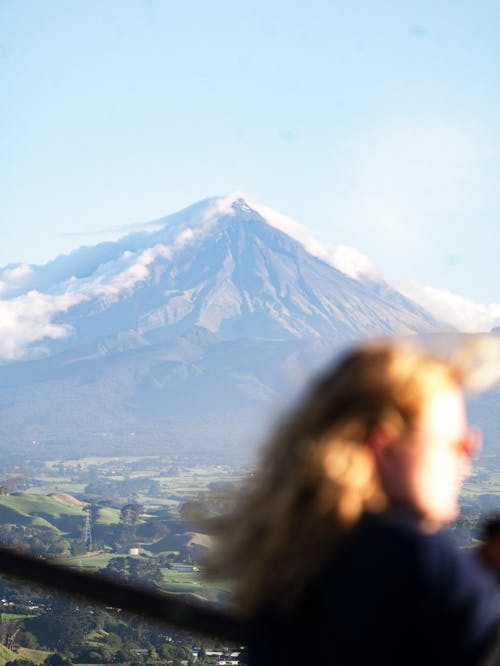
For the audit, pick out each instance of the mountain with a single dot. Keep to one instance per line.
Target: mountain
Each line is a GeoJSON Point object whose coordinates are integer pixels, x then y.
{"type": "Point", "coordinates": [187, 333]}
{"type": "Point", "coordinates": [217, 265]}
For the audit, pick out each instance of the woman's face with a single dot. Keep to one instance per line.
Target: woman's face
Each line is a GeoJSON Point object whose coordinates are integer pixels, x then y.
{"type": "Point", "coordinates": [426, 468]}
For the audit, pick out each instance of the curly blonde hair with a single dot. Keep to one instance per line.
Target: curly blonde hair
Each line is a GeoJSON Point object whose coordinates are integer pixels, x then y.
{"type": "Point", "coordinates": [317, 476]}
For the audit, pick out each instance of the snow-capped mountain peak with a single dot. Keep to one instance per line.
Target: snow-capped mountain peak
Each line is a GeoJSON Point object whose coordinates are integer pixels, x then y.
{"type": "Point", "coordinates": [225, 264]}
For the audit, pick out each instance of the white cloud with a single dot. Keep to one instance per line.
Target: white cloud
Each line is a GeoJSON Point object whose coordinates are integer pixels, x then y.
{"type": "Point", "coordinates": [463, 313]}
{"type": "Point", "coordinates": [118, 277]}
{"type": "Point", "coordinates": [221, 206]}
{"type": "Point", "coordinates": [28, 318]}
{"type": "Point", "coordinates": [12, 279]}
{"type": "Point", "coordinates": [351, 262]}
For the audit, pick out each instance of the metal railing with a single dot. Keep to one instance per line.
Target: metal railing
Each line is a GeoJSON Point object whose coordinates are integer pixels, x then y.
{"type": "Point", "coordinates": [159, 607]}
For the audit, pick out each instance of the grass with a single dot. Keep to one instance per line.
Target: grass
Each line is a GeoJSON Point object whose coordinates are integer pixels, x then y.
{"type": "Point", "coordinates": [91, 563]}
{"type": "Point", "coordinates": [6, 655]}
{"type": "Point", "coordinates": [38, 521]}
{"type": "Point", "coordinates": [192, 582]}
{"type": "Point", "coordinates": [37, 656]}
{"type": "Point", "coordinates": [28, 504]}
{"type": "Point", "coordinates": [108, 516]}
{"type": "Point", "coordinates": [96, 637]}
{"type": "Point", "coordinates": [42, 511]}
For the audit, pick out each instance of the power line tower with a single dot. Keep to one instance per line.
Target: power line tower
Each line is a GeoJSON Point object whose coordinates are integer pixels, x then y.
{"type": "Point", "coordinates": [87, 529]}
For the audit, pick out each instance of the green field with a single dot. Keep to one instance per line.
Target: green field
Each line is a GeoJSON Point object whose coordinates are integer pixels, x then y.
{"type": "Point", "coordinates": [192, 582]}
{"type": "Point", "coordinates": [6, 655]}
{"type": "Point", "coordinates": [108, 516]}
{"type": "Point", "coordinates": [36, 656]}
{"type": "Point", "coordinates": [174, 582]}
{"type": "Point", "coordinates": [41, 511]}
{"type": "Point", "coordinates": [29, 504]}
{"type": "Point", "coordinates": [90, 563]}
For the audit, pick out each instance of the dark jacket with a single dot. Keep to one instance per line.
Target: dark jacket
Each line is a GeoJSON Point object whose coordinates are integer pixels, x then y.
{"type": "Point", "coordinates": [394, 595]}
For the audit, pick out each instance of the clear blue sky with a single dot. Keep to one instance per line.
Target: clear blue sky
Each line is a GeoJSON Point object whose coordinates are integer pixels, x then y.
{"type": "Point", "coordinates": [376, 124]}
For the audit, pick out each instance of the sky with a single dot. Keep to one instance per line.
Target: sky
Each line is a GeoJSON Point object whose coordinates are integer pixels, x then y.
{"type": "Point", "coordinates": [374, 124]}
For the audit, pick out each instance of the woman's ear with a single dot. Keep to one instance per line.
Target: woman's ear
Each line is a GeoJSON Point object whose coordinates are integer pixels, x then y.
{"type": "Point", "coordinates": [381, 440]}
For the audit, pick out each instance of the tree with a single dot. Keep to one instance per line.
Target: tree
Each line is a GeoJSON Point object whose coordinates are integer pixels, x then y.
{"type": "Point", "coordinates": [131, 513]}
{"type": "Point", "coordinates": [64, 626]}
{"type": "Point", "coordinates": [122, 656]}
{"type": "Point", "coordinates": [116, 568]}
{"type": "Point", "coordinates": [10, 631]}
{"type": "Point", "coordinates": [77, 548]}
{"type": "Point", "coordinates": [94, 655]}
{"type": "Point", "coordinates": [176, 654]}
{"type": "Point", "coordinates": [145, 570]}
{"type": "Point", "coordinates": [57, 659]}
{"type": "Point", "coordinates": [29, 640]}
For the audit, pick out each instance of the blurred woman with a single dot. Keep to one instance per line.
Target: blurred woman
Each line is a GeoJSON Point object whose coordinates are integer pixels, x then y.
{"type": "Point", "coordinates": [336, 549]}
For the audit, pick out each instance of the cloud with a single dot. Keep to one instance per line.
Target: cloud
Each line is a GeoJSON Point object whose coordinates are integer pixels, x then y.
{"type": "Point", "coordinates": [220, 206]}
{"type": "Point", "coordinates": [463, 313]}
{"type": "Point", "coordinates": [195, 216]}
{"type": "Point", "coordinates": [119, 277]}
{"type": "Point", "coordinates": [28, 318]}
{"type": "Point", "coordinates": [12, 278]}
{"type": "Point", "coordinates": [351, 262]}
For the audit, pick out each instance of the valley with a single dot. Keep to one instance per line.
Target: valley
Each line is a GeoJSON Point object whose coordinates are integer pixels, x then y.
{"type": "Point", "coordinates": [142, 516]}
